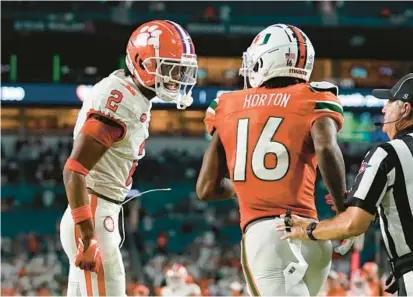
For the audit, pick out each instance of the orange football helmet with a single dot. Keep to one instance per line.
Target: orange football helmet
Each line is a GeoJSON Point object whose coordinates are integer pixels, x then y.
{"type": "Point", "coordinates": [161, 56]}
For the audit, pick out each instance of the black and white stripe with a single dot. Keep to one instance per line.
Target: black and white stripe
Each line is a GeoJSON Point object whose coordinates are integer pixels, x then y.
{"type": "Point", "coordinates": [385, 186]}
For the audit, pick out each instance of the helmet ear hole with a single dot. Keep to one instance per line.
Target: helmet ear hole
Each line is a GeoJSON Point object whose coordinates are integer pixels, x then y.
{"type": "Point", "coordinates": [141, 64]}
{"type": "Point", "coordinates": [258, 65]}
{"type": "Point", "coordinates": [140, 61]}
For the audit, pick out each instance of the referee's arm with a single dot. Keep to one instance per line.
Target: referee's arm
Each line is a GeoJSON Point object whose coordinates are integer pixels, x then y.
{"type": "Point", "coordinates": [370, 186]}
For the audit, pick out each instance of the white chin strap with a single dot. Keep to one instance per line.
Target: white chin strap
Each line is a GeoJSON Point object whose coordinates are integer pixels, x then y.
{"type": "Point", "coordinates": [184, 101]}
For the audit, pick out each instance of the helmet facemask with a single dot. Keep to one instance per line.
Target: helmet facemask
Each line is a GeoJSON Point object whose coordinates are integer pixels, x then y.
{"type": "Point", "coordinates": [244, 70]}
{"type": "Point", "coordinates": [174, 78]}
{"type": "Point", "coordinates": [253, 69]}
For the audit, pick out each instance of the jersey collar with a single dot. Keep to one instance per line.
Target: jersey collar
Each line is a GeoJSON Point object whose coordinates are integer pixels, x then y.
{"type": "Point", "coordinates": [403, 132]}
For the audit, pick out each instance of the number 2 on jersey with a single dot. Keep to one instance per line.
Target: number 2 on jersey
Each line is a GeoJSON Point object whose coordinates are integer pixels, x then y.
{"type": "Point", "coordinates": [113, 100]}
{"type": "Point", "coordinates": [131, 172]}
{"type": "Point", "coordinates": [264, 146]}
{"type": "Point", "coordinates": [135, 164]}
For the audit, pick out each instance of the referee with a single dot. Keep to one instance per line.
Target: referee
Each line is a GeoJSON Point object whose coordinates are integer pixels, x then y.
{"type": "Point", "coordinates": [383, 186]}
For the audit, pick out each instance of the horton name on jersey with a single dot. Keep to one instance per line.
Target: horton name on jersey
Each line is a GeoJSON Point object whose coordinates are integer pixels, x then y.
{"type": "Point", "coordinates": [277, 99]}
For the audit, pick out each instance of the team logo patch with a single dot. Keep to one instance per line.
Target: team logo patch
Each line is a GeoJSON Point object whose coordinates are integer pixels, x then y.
{"type": "Point", "coordinates": [143, 118]}
{"type": "Point", "coordinates": [109, 224]}
{"type": "Point", "coordinates": [298, 71]}
{"type": "Point", "coordinates": [149, 35]}
{"type": "Point", "coordinates": [290, 55]}
{"type": "Point", "coordinates": [363, 167]}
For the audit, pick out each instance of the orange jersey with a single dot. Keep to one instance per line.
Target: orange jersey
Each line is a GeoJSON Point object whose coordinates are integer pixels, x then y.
{"type": "Point", "coordinates": [266, 134]}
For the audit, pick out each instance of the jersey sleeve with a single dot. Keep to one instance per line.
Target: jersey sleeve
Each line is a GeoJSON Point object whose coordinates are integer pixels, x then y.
{"type": "Point", "coordinates": [102, 132]}
{"type": "Point", "coordinates": [210, 117]}
{"type": "Point", "coordinates": [324, 102]}
{"type": "Point", "coordinates": [374, 177]}
{"type": "Point", "coordinates": [109, 100]}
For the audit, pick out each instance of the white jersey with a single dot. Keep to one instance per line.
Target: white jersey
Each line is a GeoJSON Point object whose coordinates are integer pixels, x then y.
{"type": "Point", "coordinates": [184, 290]}
{"type": "Point", "coordinates": [117, 97]}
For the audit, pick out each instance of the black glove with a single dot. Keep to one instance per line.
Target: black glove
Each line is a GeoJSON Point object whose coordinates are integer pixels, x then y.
{"type": "Point", "coordinates": [391, 285]}
{"type": "Point", "coordinates": [288, 221]}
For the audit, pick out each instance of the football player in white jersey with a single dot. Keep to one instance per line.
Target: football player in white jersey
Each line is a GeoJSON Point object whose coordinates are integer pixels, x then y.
{"type": "Point", "coordinates": [176, 284]}
{"type": "Point", "coordinates": [109, 139]}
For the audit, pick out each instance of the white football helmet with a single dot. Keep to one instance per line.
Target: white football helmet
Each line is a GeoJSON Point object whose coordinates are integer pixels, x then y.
{"type": "Point", "coordinates": [176, 275]}
{"type": "Point", "coordinates": [278, 51]}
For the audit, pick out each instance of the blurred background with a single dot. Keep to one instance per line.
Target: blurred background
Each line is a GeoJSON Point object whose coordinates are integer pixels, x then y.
{"type": "Point", "coordinates": [53, 52]}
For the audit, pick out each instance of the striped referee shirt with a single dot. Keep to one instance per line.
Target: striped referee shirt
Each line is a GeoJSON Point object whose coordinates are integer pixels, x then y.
{"type": "Point", "coordinates": [384, 186]}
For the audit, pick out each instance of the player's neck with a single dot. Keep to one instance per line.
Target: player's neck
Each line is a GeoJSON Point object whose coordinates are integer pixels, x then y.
{"type": "Point", "coordinates": [149, 94]}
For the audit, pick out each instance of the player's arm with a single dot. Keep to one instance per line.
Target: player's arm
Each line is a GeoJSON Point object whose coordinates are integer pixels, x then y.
{"type": "Point", "coordinates": [374, 179]}
{"type": "Point", "coordinates": [366, 194]}
{"type": "Point", "coordinates": [212, 184]}
{"type": "Point", "coordinates": [96, 136]}
{"type": "Point", "coordinates": [330, 159]}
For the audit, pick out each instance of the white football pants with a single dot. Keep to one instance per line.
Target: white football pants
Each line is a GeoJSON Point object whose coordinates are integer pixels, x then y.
{"type": "Point", "coordinates": [275, 267]}
{"type": "Point", "coordinates": [406, 288]}
{"type": "Point", "coordinates": [110, 281]}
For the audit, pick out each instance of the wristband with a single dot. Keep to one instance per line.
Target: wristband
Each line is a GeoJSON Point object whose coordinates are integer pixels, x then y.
{"type": "Point", "coordinates": [81, 213]}
{"type": "Point", "coordinates": [310, 230]}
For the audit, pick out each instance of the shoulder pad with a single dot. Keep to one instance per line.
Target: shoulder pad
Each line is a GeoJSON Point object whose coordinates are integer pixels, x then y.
{"type": "Point", "coordinates": [112, 98]}
{"type": "Point", "coordinates": [223, 94]}
{"type": "Point", "coordinates": [324, 86]}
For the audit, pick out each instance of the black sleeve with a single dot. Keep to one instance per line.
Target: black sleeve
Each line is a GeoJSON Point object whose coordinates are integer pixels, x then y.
{"type": "Point", "coordinates": [371, 182]}
{"type": "Point", "coordinates": [106, 120]}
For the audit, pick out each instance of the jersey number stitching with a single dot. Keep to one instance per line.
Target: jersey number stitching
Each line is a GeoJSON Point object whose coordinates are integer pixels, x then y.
{"type": "Point", "coordinates": [264, 146]}
{"type": "Point", "coordinates": [131, 172]}
{"type": "Point", "coordinates": [134, 165]}
{"type": "Point", "coordinates": [113, 100]}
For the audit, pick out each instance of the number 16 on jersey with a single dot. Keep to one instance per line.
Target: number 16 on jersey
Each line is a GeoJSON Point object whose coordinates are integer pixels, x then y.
{"type": "Point", "coordinates": [265, 145]}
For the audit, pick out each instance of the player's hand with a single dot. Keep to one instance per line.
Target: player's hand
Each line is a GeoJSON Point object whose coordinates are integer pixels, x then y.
{"type": "Point", "coordinates": [329, 201]}
{"type": "Point", "coordinates": [188, 100]}
{"type": "Point", "coordinates": [391, 286]}
{"type": "Point", "coordinates": [344, 246]}
{"type": "Point", "coordinates": [88, 255]}
{"type": "Point", "coordinates": [298, 228]}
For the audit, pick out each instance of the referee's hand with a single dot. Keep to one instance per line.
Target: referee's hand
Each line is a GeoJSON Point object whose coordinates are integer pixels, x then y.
{"type": "Point", "coordinates": [298, 228]}
{"type": "Point", "coordinates": [344, 246]}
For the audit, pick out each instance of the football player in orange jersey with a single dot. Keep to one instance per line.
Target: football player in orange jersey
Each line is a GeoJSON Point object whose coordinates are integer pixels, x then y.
{"type": "Point", "coordinates": [270, 138]}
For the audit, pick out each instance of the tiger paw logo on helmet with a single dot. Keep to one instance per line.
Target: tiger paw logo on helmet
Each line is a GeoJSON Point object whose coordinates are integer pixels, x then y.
{"type": "Point", "coordinates": [149, 35]}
